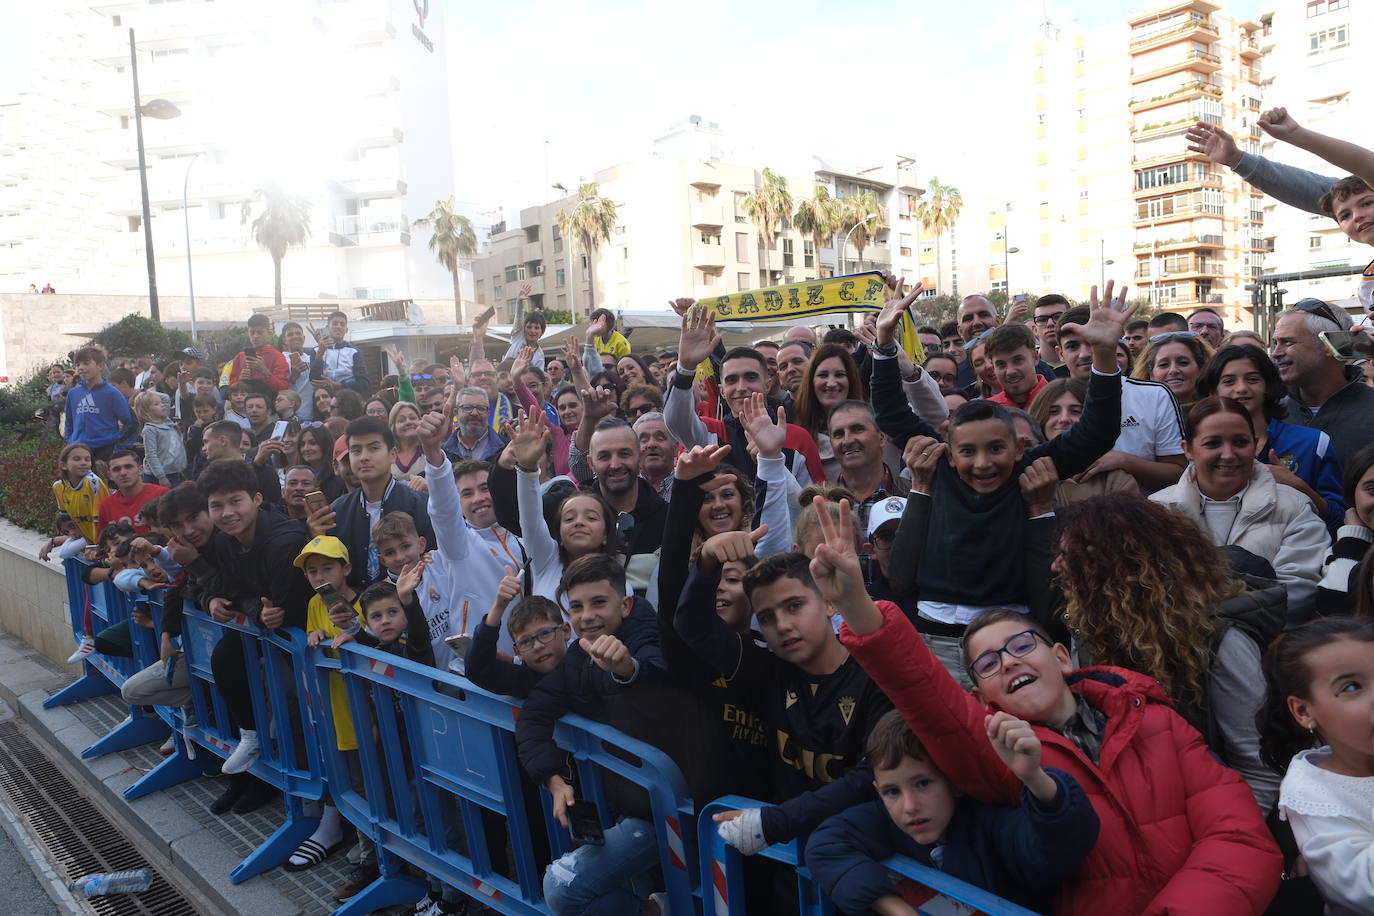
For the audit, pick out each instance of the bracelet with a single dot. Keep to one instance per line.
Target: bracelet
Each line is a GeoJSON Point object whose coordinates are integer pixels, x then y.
{"type": "Point", "coordinates": [528, 472]}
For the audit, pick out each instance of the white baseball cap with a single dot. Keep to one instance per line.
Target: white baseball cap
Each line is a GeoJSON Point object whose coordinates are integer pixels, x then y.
{"type": "Point", "coordinates": [884, 511]}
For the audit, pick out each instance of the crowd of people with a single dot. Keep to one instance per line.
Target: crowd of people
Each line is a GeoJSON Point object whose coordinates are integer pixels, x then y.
{"type": "Point", "coordinates": [1071, 606]}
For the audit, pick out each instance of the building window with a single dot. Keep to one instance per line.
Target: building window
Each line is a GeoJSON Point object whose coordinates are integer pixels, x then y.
{"type": "Point", "coordinates": [742, 247]}
{"type": "Point", "coordinates": [1313, 242]}
{"type": "Point", "coordinates": [622, 263]}
{"type": "Point", "coordinates": [1079, 55]}
{"type": "Point", "coordinates": [742, 280]}
{"type": "Point", "coordinates": [1040, 119]}
{"type": "Point", "coordinates": [480, 288]}
{"type": "Point", "coordinates": [904, 245]}
{"type": "Point", "coordinates": [585, 267]}
{"type": "Point", "coordinates": [1316, 8]}
{"type": "Point", "coordinates": [560, 277]}
{"type": "Point", "coordinates": [1328, 39]}
{"type": "Point", "coordinates": [515, 274]}
{"type": "Point", "coordinates": [496, 291]}
{"type": "Point", "coordinates": [788, 257]}
{"type": "Point", "coordinates": [808, 254]}
{"type": "Point", "coordinates": [740, 215]}
{"type": "Point", "coordinates": [557, 239]}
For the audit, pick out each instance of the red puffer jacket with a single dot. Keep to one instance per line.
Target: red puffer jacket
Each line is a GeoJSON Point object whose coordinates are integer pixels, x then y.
{"type": "Point", "coordinates": [1180, 834]}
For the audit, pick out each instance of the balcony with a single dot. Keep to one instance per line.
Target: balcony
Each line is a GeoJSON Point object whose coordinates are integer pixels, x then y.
{"type": "Point", "coordinates": [1201, 178]}
{"type": "Point", "coordinates": [532, 251]}
{"type": "Point", "coordinates": [1199, 61]}
{"type": "Point", "coordinates": [1200, 27]}
{"type": "Point", "coordinates": [1152, 129]}
{"type": "Point", "coordinates": [1191, 89]}
{"type": "Point", "coordinates": [536, 284]}
{"type": "Point", "coordinates": [707, 213]}
{"type": "Point", "coordinates": [703, 175]}
{"type": "Point", "coordinates": [1182, 268]}
{"type": "Point", "coordinates": [370, 185]}
{"type": "Point", "coordinates": [706, 257]}
{"type": "Point", "coordinates": [1192, 241]}
{"type": "Point", "coordinates": [1249, 49]}
{"type": "Point", "coordinates": [366, 229]}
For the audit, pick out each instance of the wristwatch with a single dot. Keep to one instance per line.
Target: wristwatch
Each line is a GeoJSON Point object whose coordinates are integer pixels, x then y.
{"type": "Point", "coordinates": [888, 349]}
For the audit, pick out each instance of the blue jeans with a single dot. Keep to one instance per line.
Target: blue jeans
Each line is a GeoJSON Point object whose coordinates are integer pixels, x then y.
{"type": "Point", "coordinates": [591, 879]}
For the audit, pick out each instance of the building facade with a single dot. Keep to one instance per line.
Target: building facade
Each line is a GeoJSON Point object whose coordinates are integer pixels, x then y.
{"type": "Point", "coordinates": [343, 103]}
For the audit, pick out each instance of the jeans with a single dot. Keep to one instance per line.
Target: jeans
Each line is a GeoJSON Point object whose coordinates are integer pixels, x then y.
{"type": "Point", "coordinates": [950, 651]}
{"type": "Point", "coordinates": [591, 879]}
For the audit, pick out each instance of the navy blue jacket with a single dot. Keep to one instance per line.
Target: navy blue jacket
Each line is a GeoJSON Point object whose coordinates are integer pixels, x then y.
{"type": "Point", "coordinates": [354, 528]}
{"type": "Point", "coordinates": [1021, 854]}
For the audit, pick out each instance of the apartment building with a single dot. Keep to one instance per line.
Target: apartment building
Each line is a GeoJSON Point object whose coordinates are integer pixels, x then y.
{"type": "Point", "coordinates": [343, 102]}
{"type": "Point", "coordinates": [1312, 53]}
{"type": "Point", "coordinates": [682, 230]}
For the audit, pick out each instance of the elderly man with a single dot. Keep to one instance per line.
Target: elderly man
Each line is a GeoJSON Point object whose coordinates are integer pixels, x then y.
{"type": "Point", "coordinates": [1206, 324]}
{"type": "Point", "coordinates": [657, 453]}
{"type": "Point", "coordinates": [858, 444]}
{"type": "Point", "coordinates": [800, 333]}
{"type": "Point", "coordinates": [474, 439]}
{"type": "Point", "coordinates": [1323, 393]}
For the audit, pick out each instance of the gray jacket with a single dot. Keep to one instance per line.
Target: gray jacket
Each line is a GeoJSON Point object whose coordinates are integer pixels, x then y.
{"type": "Point", "coordinates": [1347, 416]}
{"type": "Point", "coordinates": [1285, 183]}
{"type": "Point", "coordinates": [164, 454]}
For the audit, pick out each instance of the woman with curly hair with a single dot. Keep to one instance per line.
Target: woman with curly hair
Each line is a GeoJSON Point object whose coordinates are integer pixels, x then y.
{"type": "Point", "coordinates": [1146, 589]}
{"type": "Point", "coordinates": [831, 376]}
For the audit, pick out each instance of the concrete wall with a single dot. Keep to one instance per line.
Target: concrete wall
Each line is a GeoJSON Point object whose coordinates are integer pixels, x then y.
{"type": "Point", "coordinates": [33, 596]}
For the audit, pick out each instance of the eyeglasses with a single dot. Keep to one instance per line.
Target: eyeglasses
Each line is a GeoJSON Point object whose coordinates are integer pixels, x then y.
{"type": "Point", "coordinates": [1019, 646]}
{"type": "Point", "coordinates": [421, 378]}
{"type": "Point", "coordinates": [1047, 319]}
{"type": "Point", "coordinates": [542, 637]}
{"type": "Point", "coordinates": [1201, 326]}
{"type": "Point", "coordinates": [1173, 335]}
{"type": "Point", "coordinates": [472, 408]}
{"type": "Point", "coordinates": [883, 537]}
{"type": "Point", "coordinates": [1319, 308]}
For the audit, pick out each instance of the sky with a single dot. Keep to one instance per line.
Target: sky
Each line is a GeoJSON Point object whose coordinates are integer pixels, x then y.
{"type": "Point", "coordinates": [854, 82]}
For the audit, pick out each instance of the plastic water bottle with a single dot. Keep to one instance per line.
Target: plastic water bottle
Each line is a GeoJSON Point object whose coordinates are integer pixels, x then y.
{"type": "Point", "coordinates": [135, 881]}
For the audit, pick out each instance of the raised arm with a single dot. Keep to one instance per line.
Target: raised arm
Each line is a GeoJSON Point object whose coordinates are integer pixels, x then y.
{"type": "Point", "coordinates": [775, 487]}
{"type": "Point", "coordinates": [527, 443]}
{"type": "Point", "coordinates": [452, 535]}
{"type": "Point", "coordinates": [1344, 155]}
{"type": "Point", "coordinates": [698, 339]}
{"type": "Point", "coordinates": [1287, 184]}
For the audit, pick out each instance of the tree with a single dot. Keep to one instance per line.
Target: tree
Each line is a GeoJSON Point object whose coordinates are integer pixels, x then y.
{"type": "Point", "coordinates": [767, 207]}
{"type": "Point", "coordinates": [283, 223]}
{"type": "Point", "coordinates": [817, 217]}
{"type": "Point", "coordinates": [589, 222]}
{"type": "Point", "coordinates": [451, 239]}
{"type": "Point", "coordinates": [864, 219]}
{"type": "Point", "coordinates": [937, 212]}
{"type": "Point", "coordinates": [137, 334]}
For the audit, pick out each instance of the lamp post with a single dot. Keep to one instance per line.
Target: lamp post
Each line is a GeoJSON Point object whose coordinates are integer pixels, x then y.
{"type": "Point", "coordinates": [845, 243]}
{"type": "Point", "coordinates": [1006, 264]}
{"type": "Point", "coordinates": [161, 109]}
{"type": "Point", "coordinates": [186, 222]}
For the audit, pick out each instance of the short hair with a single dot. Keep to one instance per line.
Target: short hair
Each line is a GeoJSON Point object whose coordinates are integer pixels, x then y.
{"type": "Point", "coordinates": [852, 404]}
{"type": "Point", "coordinates": [927, 329]}
{"type": "Point", "coordinates": [976, 411]}
{"type": "Point", "coordinates": [150, 511]}
{"type": "Point", "coordinates": [289, 325]}
{"type": "Point", "coordinates": [1348, 186]}
{"type": "Point", "coordinates": [891, 741]}
{"type": "Point", "coordinates": [228, 475]}
{"type": "Point", "coordinates": [125, 453]}
{"type": "Point", "coordinates": [257, 395]}
{"type": "Point", "coordinates": [1138, 324]}
{"type": "Point", "coordinates": [122, 377]}
{"type": "Point", "coordinates": [1009, 338]}
{"type": "Point", "coordinates": [536, 317]}
{"type": "Point", "coordinates": [227, 428]}
{"type": "Point", "coordinates": [336, 314]}
{"type": "Point", "coordinates": [205, 400]}
{"type": "Point", "coordinates": [806, 348]}
{"type": "Point", "coordinates": [377, 591]}
{"type": "Point", "coordinates": [652, 392]}
{"type": "Point", "coordinates": [1051, 299]}
{"type": "Point", "coordinates": [538, 373]}
{"type": "Point", "coordinates": [744, 353]}
{"type": "Point", "coordinates": [1210, 311]}
{"type": "Point", "coordinates": [1274, 388]}
{"type": "Point", "coordinates": [291, 395]}
{"type": "Point", "coordinates": [1000, 615]}
{"type": "Point", "coordinates": [602, 313]}
{"type": "Point", "coordinates": [392, 526]}
{"type": "Point", "coordinates": [472, 391]}
{"type": "Point", "coordinates": [532, 609]}
{"type": "Point", "coordinates": [471, 466]}
{"type": "Point", "coordinates": [842, 336]}
{"type": "Point", "coordinates": [1169, 320]}
{"type": "Point", "coordinates": [1037, 431]}
{"type": "Point", "coordinates": [594, 567]}
{"type": "Point", "coordinates": [259, 320]}
{"type": "Point", "coordinates": [93, 353]}
{"type": "Point", "coordinates": [1316, 324]}
{"type": "Point", "coordinates": [1210, 406]}
{"type": "Point", "coordinates": [787, 565]}
{"type": "Point", "coordinates": [949, 329]}
{"type": "Point", "coordinates": [205, 372]}
{"type": "Point", "coordinates": [653, 416]}
{"type": "Point", "coordinates": [370, 426]}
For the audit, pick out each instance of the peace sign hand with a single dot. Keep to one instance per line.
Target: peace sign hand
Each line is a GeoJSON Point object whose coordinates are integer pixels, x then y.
{"type": "Point", "coordinates": [894, 306]}
{"type": "Point", "coordinates": [835, 565]}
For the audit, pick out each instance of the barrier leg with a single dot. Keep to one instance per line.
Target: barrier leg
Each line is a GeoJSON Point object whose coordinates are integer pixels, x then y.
{"type": "Point", "coordinates": [133, 731]}
{"type": "Point", "coordinates": [390, 889]}
{"type": "Point", "coordinates": [277, 848]}
{"type": "Point", "coordinates": [175, 770]}
{"type": "Point", "coordinates": [91, 684]}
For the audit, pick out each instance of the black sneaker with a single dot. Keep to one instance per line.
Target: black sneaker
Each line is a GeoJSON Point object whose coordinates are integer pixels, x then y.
{"type": "Point", "coordinates": [452, 908]}
{"type": "Point", "coordinates": [358, 878]}
{"type": "Point", "coordinates": [238, 785]}
{"type": "Point", "coordinates": [258, 794]}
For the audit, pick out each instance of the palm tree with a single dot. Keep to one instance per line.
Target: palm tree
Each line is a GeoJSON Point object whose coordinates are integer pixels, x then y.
{"type": "Point", "coordinates": [817, 217]}
{"type": "Point", "coordinates": [283, 223]}
{"type": "Point", "coordinates": [767, 207]}
{"type": "Point", "coordinates": [866, 217]}
{"type": "Point", "coordinates": [938, 211]}
{"type": "Point", "coordinates": [452, 239]}
{"type": "Point", "coordinates": [589, 222]}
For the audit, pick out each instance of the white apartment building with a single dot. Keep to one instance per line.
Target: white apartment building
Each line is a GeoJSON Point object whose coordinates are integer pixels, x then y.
{"type": "Point", "coordinates": [343, 102]}
{"type": "Point", "coordinates": [1313, 52]}
{"type": "Point", "coordinates": [681, 230]}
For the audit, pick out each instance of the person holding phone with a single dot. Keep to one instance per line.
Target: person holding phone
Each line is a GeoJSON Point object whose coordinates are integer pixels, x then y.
{"type": "Point", "coordinates": [1323, 392]}
{"type": "Point", "coordinates": [260, 364]}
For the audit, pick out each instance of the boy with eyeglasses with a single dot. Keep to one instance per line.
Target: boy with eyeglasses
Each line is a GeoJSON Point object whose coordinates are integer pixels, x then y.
{"type": "Point", "coordinates": [538, 633]}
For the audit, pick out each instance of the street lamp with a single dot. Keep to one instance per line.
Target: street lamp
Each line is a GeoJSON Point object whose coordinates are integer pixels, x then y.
{"type": "Point", "coordinates": [845, 243]}
{"type": "Point", "coordinates": [186, 222]}
{"type": "Point", "coordinates": [1006, 265]}
{"type": "Point", "coordinates": [162, 110]}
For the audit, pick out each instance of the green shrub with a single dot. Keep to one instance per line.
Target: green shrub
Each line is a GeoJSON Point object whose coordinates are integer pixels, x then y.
{"type": "Point", "coordinates": [30, 464]}
{"type": "Point", "coordinates": [19, 401]}
{"type": "Point", "coordinates": [133, 335]}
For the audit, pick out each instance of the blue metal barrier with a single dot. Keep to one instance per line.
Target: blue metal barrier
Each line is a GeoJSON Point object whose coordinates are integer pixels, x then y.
{"type": "Point", "coordinates": [106, 674]}
{"type": "Point", "coordinates": [450, 751]}
{"type": "Point", "coordinates": [722, 880]}
{"type": "Point", "coordinates": [281, 687]}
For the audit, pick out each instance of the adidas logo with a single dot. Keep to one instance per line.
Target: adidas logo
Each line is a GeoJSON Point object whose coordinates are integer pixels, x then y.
{"type": "Point", "coordinates": [1129, 422]}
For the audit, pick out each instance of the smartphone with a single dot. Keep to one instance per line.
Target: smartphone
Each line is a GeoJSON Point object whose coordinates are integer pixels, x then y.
{"type": "Point", "coordinates": [459, 644]}
{"type": "Point", "coordinates": [584, 823]}
{"type": "Point", "coordinates": [487, 315]}
{"type": "Point", "coordinates": [1341, 344]}
{"type": "Point", "coordinates": [279, 429]}
{"type": "Point", "coordinates": [250, 352]}
{"type": "Point", "coordinates": [315, 501]}
{"type": "Point", "coordinates": [329, 595]}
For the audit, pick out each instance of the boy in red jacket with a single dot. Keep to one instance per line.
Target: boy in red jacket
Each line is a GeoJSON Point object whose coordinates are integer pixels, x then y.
{"type": "Point", "coordinates": [1180, 833]}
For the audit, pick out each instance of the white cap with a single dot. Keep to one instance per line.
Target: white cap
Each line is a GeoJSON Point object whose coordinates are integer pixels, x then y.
{"type": "Point", "coordinates": [887, 510]}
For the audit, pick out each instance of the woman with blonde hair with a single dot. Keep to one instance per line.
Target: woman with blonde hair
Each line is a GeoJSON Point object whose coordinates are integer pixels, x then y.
{"type": "Point", "coordinates": [1176, 360]}
{"type": "Point", "coordinates": [1146, 589]}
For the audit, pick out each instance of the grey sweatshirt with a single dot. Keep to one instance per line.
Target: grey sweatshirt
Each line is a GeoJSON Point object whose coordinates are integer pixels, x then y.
{"type": "Point", "coordinates": [1285, 183]}
{"type": "Point", "coordinates": [164, 454]}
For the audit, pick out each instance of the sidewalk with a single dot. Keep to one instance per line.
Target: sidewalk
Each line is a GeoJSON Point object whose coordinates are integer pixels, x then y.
{"type": "Point", "coordinates": [176, 823]}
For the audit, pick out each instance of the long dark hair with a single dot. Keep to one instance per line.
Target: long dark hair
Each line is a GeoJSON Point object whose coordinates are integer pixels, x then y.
{"type": "Point", "coordinates": [1274, 388]}
{"type": "Point", "coordinates": [1354, 470]}
{"type": "Point", "coordinates": [1286, 675]}
{"type": "Point", "coordinates": [615, 541]}
{"type": "Point", "coordinates": [810, 414]}
{"type": "Point", "coordinates": [325, 440]}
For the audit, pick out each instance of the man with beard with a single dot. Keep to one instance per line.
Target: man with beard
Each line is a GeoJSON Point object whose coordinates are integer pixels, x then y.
{"type": "Point", "coordinates": [657, 453]}
{"type": "Point", "coordinates": [858, 445]}
{"type": "Point", "coordinates": [474, 439]}
{"type": "Point", "coordinates": [615, 461]}
{"type": "Point", "coordinates": [300, 480]}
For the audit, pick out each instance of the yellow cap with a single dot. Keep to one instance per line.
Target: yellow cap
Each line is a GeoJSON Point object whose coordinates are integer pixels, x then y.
{"type": "Point", "coordinates": [323, 546]}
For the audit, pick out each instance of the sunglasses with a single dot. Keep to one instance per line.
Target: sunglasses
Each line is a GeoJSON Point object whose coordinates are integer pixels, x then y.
{"type": "Point", "coordinates": [1174, 335]}
{"type": "Point", "coordinates": [542, 637]}
{"type": "Point", "coordinates": [422, 378]}
{"type": "Point", "coordinates": [1019, 646]}
{"type": "Point", "coordinates": [1319, 308]}
{"type": "Point", "coordinates": [640, 410]}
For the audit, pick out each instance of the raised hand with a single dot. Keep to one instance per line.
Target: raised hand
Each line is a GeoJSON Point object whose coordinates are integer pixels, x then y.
{"type": "Point", "coordinates": [921, 456]}
{"type": "Point", "coordinates": [598, 328]}
{"type": "Point", "coordinates": [766, 433]}
{"type": "Point", "coordinates": [1015, 742]}
{"type": "Point", "coordinates": [321, 521]}
{"type": "Point", "coordinates": [525, 290]}
{"type": "Point", "coordinates": [342, 615]}
{"type": "Point", "coordinates": [435, 427]}
{"type": "Point", "coordinates": [699, 337]}
{"type": "Point", "coordinates": [609, 654]}
{"type": "Point", "coordinates": [399, 360]}
{"type": "Point", "coordinates": [409, 580]}
{"type": "Point", "coordinates": [699, 460]}
{"type": "Point", "coordinates": [835, 564]}
{"type": "Point", "coordinates": [680, 306]}
{"type": "Point", "coordinates": [894, 306]}
{"type": "Point", "coordinates": [1214, 143]}
{"type": "Point", "coordinates": [1107, 319]}
{"type": "Point", "coordinates": [729, 547]}
{"type": "Point", "coordinates": [521, 363]}
{"type": "Point", "coordinates": [1279, 124]}
{"type": "Point", "coordinates": [1020, 308]}
{"type": "Point", "coordinates": [527, 438]}
{"type": "Point", "coordinates": [1038, 482]}
{"type": "Point", "coordinates": [456, 374]}
{"type": "Point", "coordinates": [321, 337]}
{"type": "Point", "coordinates": [597, 403]}
{"type": "Point", "coordinates": [507, 591]}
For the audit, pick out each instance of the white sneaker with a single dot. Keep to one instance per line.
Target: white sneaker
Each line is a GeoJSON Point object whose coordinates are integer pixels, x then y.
{"type": "Point", "coordinates": [244, 756]}
{"type": "Point", "coordinates": [425, 906]}
{"type": "Point", "coordinates": [83, 648]}
{"type": "Point", "coordinates": [661, 900]}
{"type": "Point", "coordinates": [169, 747]}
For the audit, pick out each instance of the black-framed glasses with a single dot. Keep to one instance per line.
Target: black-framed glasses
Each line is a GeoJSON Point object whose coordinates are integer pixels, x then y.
{"type": "Point", "coordinates": [1319, 308]}
{"type": "Point", "coordinates": [1047, 319]}
{"type": "Point", "coordinates": [639, 410]}
{"type": "Point", "coordinates": [1174, 335]}
{"type": "Point", "coordinates": [884, 537]}
{"type": "Point", "coordinates": [1019, 646]}
{"type": "Point", "coordinates": [540, 637]}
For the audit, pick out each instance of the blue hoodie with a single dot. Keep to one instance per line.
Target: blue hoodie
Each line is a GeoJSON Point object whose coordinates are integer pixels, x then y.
{"type": "Point", "coordinates": [1308, 453]}
{"type": "Point", "coordinates": [97, 416]}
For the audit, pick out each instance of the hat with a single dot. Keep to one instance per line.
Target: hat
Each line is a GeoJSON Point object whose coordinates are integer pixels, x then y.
{"type": "Point", "coordinates": [323, 546]}
{"type": "Point", "coordinates": [340, 447]}
{"type": "Point", "coordinates": [887, 510]}
{"type": "Point", "coordinates": [194, 353]}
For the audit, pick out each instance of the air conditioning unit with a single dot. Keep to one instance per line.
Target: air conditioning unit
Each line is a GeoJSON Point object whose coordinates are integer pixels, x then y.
{"type": "Point", "coordinates": [539, 269]}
